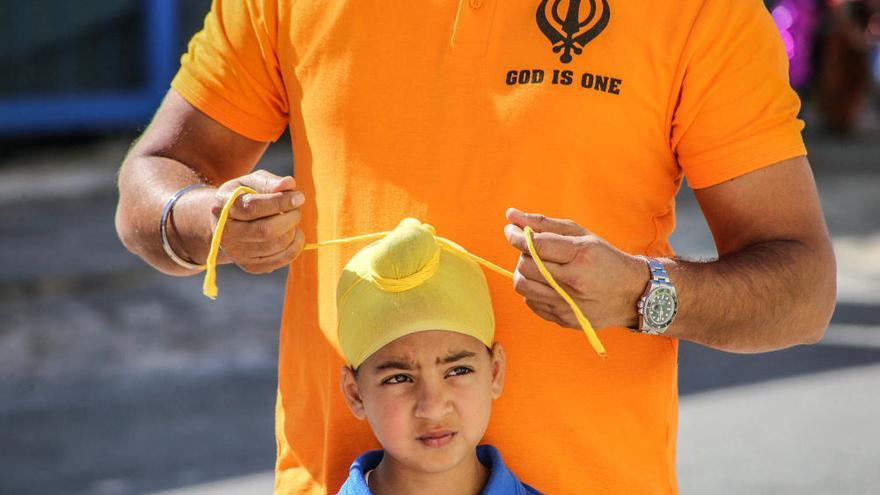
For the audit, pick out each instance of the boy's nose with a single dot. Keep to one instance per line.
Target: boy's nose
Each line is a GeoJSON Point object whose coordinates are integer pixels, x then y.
{"type": "Point", "coordinates": [432, 401]}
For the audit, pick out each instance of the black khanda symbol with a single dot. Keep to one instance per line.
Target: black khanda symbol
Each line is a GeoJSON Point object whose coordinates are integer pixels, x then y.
{"type": "Point", "coordinates": [568, 37]}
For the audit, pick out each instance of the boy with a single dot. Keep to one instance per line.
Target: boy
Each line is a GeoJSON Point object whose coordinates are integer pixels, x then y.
{"type": "Point", "coordinates": [416, 329]}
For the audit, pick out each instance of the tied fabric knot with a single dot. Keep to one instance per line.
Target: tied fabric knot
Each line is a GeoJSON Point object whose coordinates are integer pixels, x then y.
{"type": "Point", "coordinates": [409, 258]}
{"type": "Point", "coordinates": [392, 282]}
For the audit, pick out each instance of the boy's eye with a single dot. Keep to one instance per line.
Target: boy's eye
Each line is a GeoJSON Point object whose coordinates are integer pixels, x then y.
{"type": "Point", "coordinates": [459, 370]}
{"type": "Point", "coordinates": [396, 379]}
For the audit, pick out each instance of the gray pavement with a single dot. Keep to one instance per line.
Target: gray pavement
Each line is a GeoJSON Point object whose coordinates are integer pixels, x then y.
{"type": "Point", "coordinates": [117, 380]}
{"type": "Point", "coordinates": [811, 433]}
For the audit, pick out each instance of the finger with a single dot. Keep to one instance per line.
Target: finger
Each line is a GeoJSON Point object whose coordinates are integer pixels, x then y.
{"type": "Point", "coordinates": [271, 263]}
{"type": "Point", "coordinates": [563, 320]}
{"type": "Point", "coordinates": [529, 269]}
{"type": "Point", "coordinates": [541, 294]}
{"type": "Point", "coordinates": [254, 206]}
{"type": "Point", "coordinates": [546, 308]}
{"type": "Point", "coordinates": [295, 245]}
{"type": "Point", "coordinates": [541, 223]}
{"type": "Point", "coordinates": [535, 290]}
{"type": "Point", "coordinates": [249, 252]}
{"type": "Point", "coordinates": [260, 230]}
{"type": "Point", "coordinates": [261, 181]}
{"type": "Point", "coordinates": [549, 246]}
{"type": "Point", "coordinates": [545, 314]}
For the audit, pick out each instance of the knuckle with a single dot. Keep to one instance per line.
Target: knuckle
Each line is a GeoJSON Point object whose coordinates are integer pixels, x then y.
{"type": "Point", "coordinates": [299, 239]}
{"type": "Point", "coordinates": [287, 242]}
{"type": "Point", "coordinates": [263, 230]}
{"type": "Point", "coordinates": [579, 286]}
{"type": "Point", "coordinates": [283, 202]}
{"type": "Point", "coordinates": [217, 204]}
{"type": "Point", "coordinates": [246, 206]}
{"type": "Point", "coordinates": [583, 251]}
{"type": "Point", "coordinates": [231, 252]}
{"type": "Point", "coordinates": [275, 246]}
{"type": "Point", "coordinates": [560, 306]}
{"type": "Point", "coordinates": [231, 232]}
{"type": "Point", "coordinates": [296, 216]}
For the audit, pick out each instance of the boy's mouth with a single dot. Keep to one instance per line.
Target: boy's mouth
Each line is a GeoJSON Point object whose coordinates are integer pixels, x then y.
{"type": "Point", "coordinates": [437, 438]}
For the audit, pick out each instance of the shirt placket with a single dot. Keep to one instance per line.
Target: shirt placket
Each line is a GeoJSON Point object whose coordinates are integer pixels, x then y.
{"type": "Point", "coordinates": [473, 25]}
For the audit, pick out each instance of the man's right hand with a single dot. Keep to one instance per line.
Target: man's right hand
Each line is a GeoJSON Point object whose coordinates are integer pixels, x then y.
{"type": "Point", "coordinates": [184, 146]}
{"type": "Point", "coordinates": [262, 233]}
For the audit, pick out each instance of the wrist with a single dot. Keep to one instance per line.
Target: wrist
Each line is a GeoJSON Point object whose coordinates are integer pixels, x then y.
{"type": "Point", "coordinates": [636, 281]}
{"type": "Point", "coordinates": [190, 225]}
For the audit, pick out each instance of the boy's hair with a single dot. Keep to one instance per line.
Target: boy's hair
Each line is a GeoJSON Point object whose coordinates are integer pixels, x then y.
{"type": "Point", "coordinates": [410, 281]}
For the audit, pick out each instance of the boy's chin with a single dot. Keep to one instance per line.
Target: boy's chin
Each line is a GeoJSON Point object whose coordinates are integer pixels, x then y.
{"type": "Point", "coordinates": [434, 460]}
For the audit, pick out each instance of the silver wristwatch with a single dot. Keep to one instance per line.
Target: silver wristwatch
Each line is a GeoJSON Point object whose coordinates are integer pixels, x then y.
{"type": "Point", "coordinates": [659, 304]}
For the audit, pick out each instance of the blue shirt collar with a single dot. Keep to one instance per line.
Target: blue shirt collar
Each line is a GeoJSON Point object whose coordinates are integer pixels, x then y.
{"type": "Point", "coordinates": [501, 480]}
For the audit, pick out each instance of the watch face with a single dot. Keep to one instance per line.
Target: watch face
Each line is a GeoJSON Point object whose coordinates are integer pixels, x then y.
{"type": "Point", "coordinates": [660, 307]}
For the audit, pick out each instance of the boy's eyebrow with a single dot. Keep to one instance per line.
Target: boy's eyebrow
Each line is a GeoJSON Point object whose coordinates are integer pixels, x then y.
{"type": "Point", "coordinates": [395, 364]}
{"type": "Point", "coordinates": [456, 357]}
{"type": "Point", "coordinates": [404, 364]}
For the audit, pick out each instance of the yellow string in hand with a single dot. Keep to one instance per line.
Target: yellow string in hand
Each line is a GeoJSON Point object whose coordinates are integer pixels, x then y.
{"type": "Point", "coordinates": [582, 320]}
{"type": "Point", "coordinates": [209, 287]}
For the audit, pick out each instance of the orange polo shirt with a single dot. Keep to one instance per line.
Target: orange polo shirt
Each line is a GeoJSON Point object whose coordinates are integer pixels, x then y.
{"type": "Point", "coordinates": [453, 111]}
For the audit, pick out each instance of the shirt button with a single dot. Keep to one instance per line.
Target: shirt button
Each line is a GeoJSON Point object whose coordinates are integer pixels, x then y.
{"type": "Point", "coordinates": [476, 3]}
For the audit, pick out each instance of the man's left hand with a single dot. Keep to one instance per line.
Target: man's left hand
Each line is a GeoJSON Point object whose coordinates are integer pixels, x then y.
{"type": "Point", "coordinates": [604, 282]}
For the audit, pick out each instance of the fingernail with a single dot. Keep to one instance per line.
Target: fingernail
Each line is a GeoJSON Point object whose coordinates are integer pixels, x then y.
{"type": "Point", "coordinates": [298, 199]}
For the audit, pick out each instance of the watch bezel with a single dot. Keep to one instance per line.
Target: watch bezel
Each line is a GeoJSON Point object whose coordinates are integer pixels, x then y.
{"type": "Point", "coordinates": [648, 322]}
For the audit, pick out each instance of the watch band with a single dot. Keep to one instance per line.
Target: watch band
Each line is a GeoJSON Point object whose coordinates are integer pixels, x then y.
{"type": "Point", "coordinates": [658, 273]}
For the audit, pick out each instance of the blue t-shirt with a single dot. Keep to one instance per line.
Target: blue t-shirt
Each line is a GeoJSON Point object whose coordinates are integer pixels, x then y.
{"type": "Point", "coordinates": [501, 480]}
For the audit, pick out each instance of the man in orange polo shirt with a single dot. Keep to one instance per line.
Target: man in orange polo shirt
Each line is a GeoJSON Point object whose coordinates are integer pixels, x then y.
{"type": "Point", "coordinates": [451, 112]}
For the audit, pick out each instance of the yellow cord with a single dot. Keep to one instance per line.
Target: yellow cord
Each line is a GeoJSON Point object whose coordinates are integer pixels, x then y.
{"type": "Point", "coordinates": [346, 240]}
{"type": "Point", "coordinates": [209, 287]}
{"type": "Point", "coordinates": [582, 320]}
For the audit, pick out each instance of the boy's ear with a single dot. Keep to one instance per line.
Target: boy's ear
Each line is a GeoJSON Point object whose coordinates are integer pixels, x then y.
{"type": "Point", "coordinates": [499, 364]}
{"type": "Point", "coordinates": [351, 392]}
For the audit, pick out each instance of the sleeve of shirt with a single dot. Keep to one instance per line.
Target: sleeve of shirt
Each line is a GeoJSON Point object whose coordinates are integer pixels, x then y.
{"type": "Point", "coordinates": [231, 71]}
{"type": "Point", "coordinates": [736, 111]}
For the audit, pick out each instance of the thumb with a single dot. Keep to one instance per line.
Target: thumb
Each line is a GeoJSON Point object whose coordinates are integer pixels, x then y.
{"type": "Point", "coordinates": [287, 183]}
{"type": "Point", "coordinates": [541, 223]}
{"type": "Point", "coordinates": [266, 182]}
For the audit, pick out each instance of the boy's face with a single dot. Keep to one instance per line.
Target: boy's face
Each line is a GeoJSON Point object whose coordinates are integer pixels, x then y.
{"type": "Point", "coordinates": [427, 397]}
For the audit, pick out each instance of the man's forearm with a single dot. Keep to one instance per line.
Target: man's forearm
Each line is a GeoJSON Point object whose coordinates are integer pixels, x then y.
{"type": "Point", "coordinates": [145, 184]}
{"type": "Point", "coordinates": [766, 296]}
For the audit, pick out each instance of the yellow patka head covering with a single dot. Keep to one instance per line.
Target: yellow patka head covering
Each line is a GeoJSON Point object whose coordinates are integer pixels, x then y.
{"type": "Point", "coordinates": [407, 282]}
